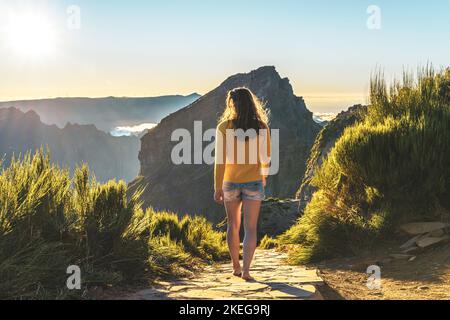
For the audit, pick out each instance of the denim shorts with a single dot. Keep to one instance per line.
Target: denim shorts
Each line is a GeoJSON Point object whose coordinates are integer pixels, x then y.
{"type": "Point", "coordinates": [243, 191]}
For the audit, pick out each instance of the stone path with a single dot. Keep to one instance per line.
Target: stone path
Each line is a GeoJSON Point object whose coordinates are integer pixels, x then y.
{"type": "Point", "coordinates": [274, 280]}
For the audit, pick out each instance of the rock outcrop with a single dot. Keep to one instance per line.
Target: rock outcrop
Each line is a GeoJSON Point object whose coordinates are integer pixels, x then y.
{"type": "Point", "coordinates": [108, 157]}
{"type": "Point", "coordinates": [324, 143]}
{"type": "Point", "coordinates": [277, 216]}
{"type": "Point", "coordinates": [189, 188]}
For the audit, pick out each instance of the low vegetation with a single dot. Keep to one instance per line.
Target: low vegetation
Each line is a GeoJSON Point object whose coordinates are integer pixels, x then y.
{"type": "Point", "coordinates": [267, 243]}
{"type": "Point", "coordinates": [50, 221]}
{"type": "Point", "coordinates": [393, 166]}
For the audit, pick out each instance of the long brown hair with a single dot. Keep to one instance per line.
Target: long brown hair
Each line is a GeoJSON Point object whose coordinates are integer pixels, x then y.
{"type": "Point", "coordinates": [245, 111]}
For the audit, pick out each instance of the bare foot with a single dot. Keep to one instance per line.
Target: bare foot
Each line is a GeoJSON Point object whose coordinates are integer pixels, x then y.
{"type": "Point", "coordinates": [237, 272]}
{"type": "Point", "coordinates": [247, 277]}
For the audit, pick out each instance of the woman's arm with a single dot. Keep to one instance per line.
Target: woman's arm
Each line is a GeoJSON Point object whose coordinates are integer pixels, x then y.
{"type": "Point", "coordinates": [219, 166]}
{"type": "Point", "coordinates": [265, 150]}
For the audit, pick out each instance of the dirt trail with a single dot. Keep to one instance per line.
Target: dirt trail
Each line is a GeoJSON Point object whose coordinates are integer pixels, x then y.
{"type": "Point", "coordinates": [274, 280]}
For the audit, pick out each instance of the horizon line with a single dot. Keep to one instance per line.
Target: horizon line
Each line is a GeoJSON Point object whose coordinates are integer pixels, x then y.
{"type": "Point", "coordinates": [98, 97]}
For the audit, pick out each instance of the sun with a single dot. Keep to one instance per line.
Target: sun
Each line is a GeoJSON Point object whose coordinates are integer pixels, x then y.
{"type": "Point", "coordinates": [30, 35]}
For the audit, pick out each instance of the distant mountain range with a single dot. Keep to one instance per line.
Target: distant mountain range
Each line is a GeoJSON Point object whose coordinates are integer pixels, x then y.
{"type": "Point", "coordinates": [108, 157]}
{"type": "Point", "coordinates": [107, 114]}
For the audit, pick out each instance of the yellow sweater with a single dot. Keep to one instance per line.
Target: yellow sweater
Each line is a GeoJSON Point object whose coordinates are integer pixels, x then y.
{"type": "Point", "coordinates": [251, 156]}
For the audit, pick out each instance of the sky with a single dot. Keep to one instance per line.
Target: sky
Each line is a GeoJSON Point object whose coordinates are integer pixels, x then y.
{"type": "Point", "coordinates": [328, 49]}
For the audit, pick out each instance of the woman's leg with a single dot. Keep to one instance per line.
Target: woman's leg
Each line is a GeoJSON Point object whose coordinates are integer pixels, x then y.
{"type": "Point", "coordinates": [251, 216]}
{"type": "Point", "coordinates": [234, 215]}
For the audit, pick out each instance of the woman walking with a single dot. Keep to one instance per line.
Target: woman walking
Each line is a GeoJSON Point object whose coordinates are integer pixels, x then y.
{"type": "Point", "coordinates": [241, 170]}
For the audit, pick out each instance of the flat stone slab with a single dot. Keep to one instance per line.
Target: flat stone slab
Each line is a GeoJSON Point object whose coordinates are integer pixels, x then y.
{"type": "Point", "coordinates": [274, 279]}
{"type": "Point", "coordinates": [429, 241]}
{"type": "Point", "coordinates": [423, 227]}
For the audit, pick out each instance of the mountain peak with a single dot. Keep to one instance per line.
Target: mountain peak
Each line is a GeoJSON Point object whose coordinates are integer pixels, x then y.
{"type": "Point", "coordinates": [270, 70]}
{"type": "Point", "coordinates": [265, 72]}
{"type": "Point", "coordinates": [194, 95]}
{"type": "Point", "coordinates": [15, 113]}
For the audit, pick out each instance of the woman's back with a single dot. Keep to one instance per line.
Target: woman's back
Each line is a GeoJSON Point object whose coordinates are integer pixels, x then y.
{"type": "Point", "coordinates": [244, 156]}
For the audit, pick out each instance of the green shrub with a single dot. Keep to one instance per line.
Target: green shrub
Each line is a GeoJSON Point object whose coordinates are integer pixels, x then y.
{"type": "Point", "coordinates": [195, 234]}
{"type": "Point", "coordinates": [49, 221]}
{"type": "Point", "coordinates": [268, 243]}
{"type": "Point", "coordinates": [164, 223]}
{"type": "Point", "coordinates": [389, 168]}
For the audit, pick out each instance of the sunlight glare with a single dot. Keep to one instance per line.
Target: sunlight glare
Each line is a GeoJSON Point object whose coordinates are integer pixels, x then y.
{"type": "Point", "coordinates": [30, 35]}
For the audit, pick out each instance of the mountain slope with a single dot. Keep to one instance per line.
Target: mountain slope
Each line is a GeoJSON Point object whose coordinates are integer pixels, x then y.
{"type": "Point", "coordinates": [325, 141]}
{"type": "Point", "coordinates": [105, 113]}
{"type": "Point", "coordinates": [189, 188]}
{"type": "Point", "coordinates": [109, 157]}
